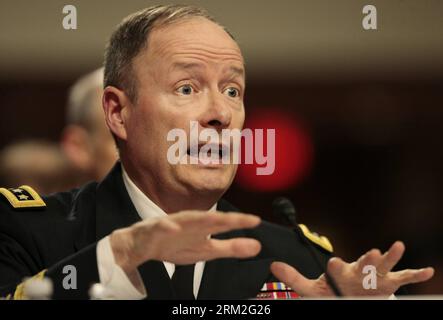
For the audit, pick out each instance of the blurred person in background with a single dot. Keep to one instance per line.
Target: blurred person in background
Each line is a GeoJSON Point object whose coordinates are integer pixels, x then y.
{"type": "Point", "coordinates": [86, 151]}
{"type": "Point", "coordinates": [86, 140]}
{"type": "Point", "coordinates": [37, 163]}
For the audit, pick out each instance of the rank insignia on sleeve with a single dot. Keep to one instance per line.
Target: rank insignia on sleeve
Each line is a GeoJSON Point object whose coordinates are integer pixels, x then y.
{"type": "Point", "coordinates": [318, 240]}
{"type": "Point", "coordinates": [276, 291]}
{"type": "Point", "coordinates": [23, 197]}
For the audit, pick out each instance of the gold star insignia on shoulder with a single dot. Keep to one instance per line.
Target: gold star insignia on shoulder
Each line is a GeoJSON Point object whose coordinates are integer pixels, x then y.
{"type": "Point", "coordinates": [318, 240]}
{"type": "Point", "coordinates": [23, 197]}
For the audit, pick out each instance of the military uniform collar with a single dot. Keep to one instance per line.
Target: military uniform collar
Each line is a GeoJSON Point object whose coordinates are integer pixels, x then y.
{"type": "Point", "coordinates": [145, 207]}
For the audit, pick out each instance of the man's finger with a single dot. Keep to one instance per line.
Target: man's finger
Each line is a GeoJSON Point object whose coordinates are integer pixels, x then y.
{"type": "Point", "coordinates": [391, 257]}
{"type": "Point", "coordinates": [372, 258]}
{"type": "Point", "coordinates": [335, 267]}
{"type": "Point", "coordinates": [214, 221]}
{"type": "Point", "coordinates": [223, 222]}
{"type": "Point", "coordinates": [292, 278]}
{"type": "Point", "coordinates": [412, 276]}
{"type": "Point", "coordinates": [233, 248]}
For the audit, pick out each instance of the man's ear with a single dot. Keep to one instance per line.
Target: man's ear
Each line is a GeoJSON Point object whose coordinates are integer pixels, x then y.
{"type": "Point", "coordinates": [115, 105]}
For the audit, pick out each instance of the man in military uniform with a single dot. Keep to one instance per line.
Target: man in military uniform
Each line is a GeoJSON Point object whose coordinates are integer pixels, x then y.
{"type": "Point", "coordinates": [160, 230]}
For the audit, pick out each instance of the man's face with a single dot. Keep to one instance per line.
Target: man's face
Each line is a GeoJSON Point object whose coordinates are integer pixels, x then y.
{"type": "Point", "coordinates": [190, 71]}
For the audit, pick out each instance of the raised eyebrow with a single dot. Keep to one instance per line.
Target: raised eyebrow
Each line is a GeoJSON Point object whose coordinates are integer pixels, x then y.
{"type": "Point", "coordinates": [186, 65]}
{"type": "Point", "coordinates": [193, 65]}
{"type": "Point", "coordinates": [237, 71]}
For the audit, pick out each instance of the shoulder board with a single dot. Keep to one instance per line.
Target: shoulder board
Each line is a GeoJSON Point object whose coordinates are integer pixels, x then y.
{"type": "Point", "coordinates": [23, 197]}
{"type": "Point", "coordinates": [318, 240]}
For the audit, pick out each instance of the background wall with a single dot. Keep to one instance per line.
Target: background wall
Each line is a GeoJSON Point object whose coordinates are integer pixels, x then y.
{"type": "Point", "coordinates": [367, 105]}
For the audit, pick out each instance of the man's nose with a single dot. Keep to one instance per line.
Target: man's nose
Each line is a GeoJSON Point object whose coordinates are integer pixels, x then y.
{"type": "Point", "coordinates": [218, 114]}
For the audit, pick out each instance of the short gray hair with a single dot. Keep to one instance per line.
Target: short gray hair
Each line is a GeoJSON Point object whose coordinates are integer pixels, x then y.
{"type": "Point", "coordinates": [131, 36]}
{"type": "Point", "coordinates": [81, 96]}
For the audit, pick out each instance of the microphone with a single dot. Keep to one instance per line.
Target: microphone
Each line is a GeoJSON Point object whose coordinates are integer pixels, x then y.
{"type": "Point", "coordinates": [284, 207]}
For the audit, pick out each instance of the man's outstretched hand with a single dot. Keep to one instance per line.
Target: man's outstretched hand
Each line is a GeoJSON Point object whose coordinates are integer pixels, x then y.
{"type": "Point", "coordinates": [349, 276]}
{"type": "Point", "coordinates": [183, 238]}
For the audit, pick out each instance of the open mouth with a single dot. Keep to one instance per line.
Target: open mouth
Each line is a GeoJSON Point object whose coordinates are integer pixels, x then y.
{"type": "Point", "coordinates": [212, 151]}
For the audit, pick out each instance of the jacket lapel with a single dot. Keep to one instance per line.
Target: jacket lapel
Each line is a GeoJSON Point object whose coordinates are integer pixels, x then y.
{"type": "Point", "coordinates": [233, 278]}
{"type": "Point", "coordinates": [115, 210]}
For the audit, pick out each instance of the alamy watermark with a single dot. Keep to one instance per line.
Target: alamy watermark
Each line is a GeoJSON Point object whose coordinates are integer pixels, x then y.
{"type": "Point", "coordinates": [208, 147]}
{"type": "Point", "coordinates": [70, 19]}
{"type": "Point", "coordinates": [70, 280]}
{"type": "Point", "coordinates": [370, 280]}
{"type": "Point", "coordinates": [369, 21]}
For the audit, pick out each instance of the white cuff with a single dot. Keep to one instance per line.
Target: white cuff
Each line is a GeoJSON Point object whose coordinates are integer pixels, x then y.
{"type": "Point", "coordinates": [112, 277]}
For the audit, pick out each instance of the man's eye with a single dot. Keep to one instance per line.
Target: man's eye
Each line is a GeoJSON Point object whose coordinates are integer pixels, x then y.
{"type": "Point", "coordinates": [232, 92]}
{"type": "Point", "coordinates": [185, 89]}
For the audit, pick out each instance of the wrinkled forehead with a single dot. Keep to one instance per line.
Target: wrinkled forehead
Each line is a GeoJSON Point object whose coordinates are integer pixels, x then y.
{"type": "Point", "coordinates": [195, 37]}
